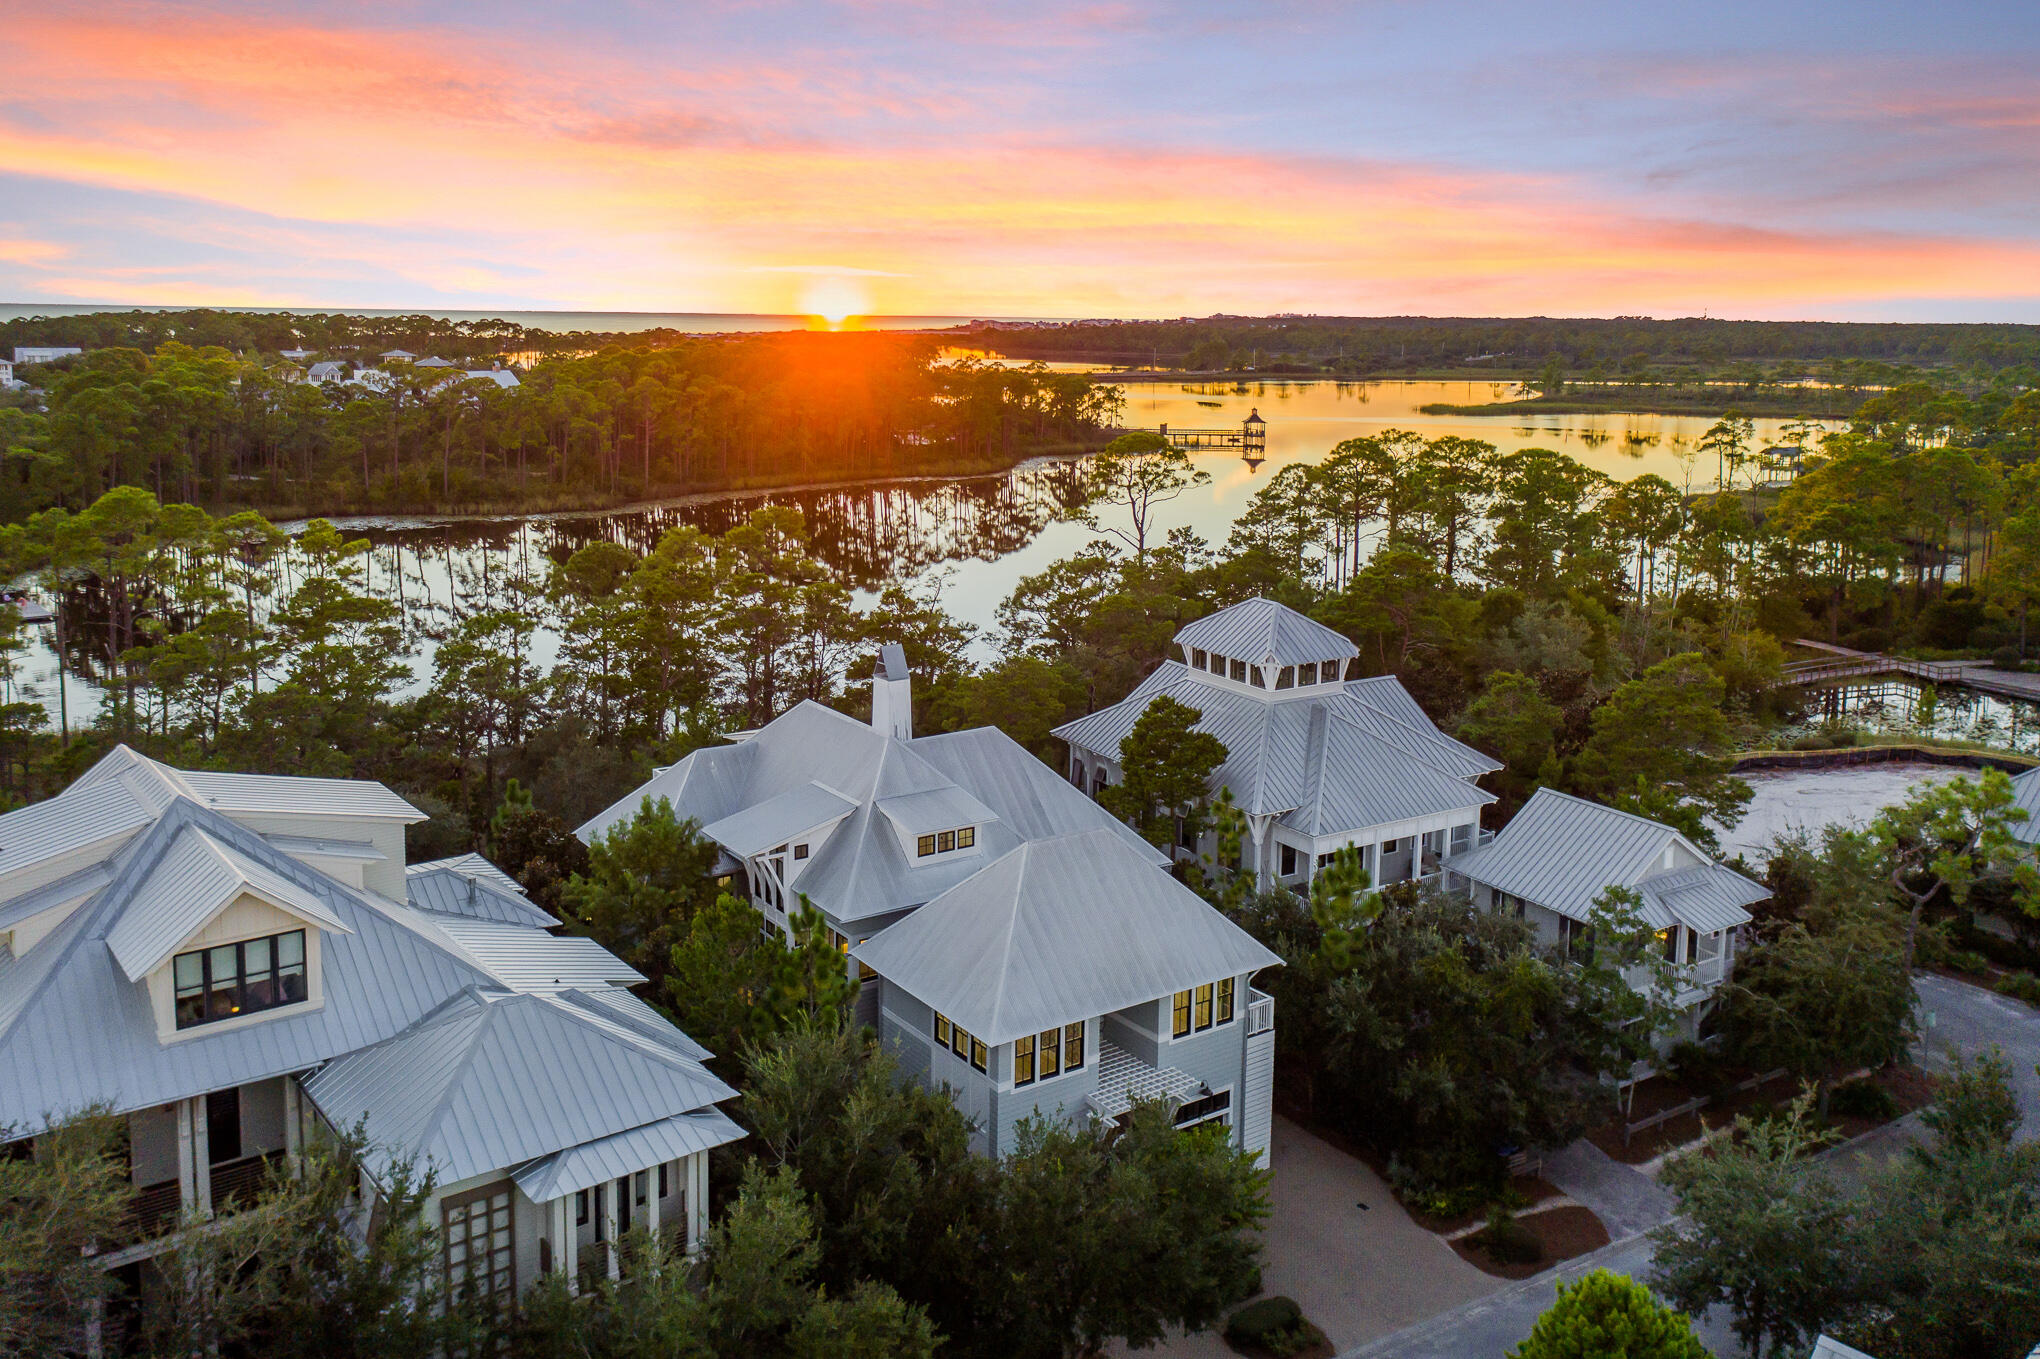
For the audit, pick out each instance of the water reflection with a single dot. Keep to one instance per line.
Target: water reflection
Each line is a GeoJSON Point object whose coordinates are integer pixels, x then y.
{"type": "Point", "coordinates": [1903, 707]}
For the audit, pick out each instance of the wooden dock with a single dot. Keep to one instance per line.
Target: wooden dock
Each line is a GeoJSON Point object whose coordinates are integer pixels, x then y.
{"type": "Point", "coordinates": [1842, 663]}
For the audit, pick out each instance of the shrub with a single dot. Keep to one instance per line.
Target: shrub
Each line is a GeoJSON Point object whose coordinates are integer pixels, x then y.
{"type": "Point", "coordinates": [1862, 1099]}
{"type": "Point", "coordinates": [2006, 658]}
{"type": "Point", "coordinates": [1253, 1324]}
{"type": "Point", "coordinates": [1868, 639]}
{"type": "Point", "coordinates": [1507, 1241]}
{"type": "Point", "coordinates": [1811, 743]}
{"type": "Point", "coordinates": [1699, 1068]}
{"type": "Point", "coordinates": [2020, 986]}
{"type": "Point", "coordinates": [1962, 960]}
{"type": "Point", "coordinates": [1607, 1314]}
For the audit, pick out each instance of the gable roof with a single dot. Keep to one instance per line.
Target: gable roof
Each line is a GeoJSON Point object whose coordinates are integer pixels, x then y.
{"type": "Point", "coordinates": [1562, 852]}
{"type": "Point", "coordinates": [2026, 797]}
{"type": "Point", "coordinates": [1271, 765]}
{"type": "Point", "coordinates": [195, 879]}
{"type": "Point", "coordinates": [76, 1030]}
{"type": "Point", "coordinates": [1059, 930]}
{"type": "Point", "coordinates": [619, 1154]}
{"type": "Point", "coordinates": [496, 1080]}
{"type": "Point", "coordinates": [444, 890]}
{"type": "Point", "coordinates": [749, 795]}
{"type": "Point", "coordinates": [1258, 629]}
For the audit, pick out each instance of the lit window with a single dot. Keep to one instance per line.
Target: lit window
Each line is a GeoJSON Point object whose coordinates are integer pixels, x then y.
{"type": "Point", "coordinates": [966, 837]}
{"type": "Point", "coordinates": [959, 1041]}
{"type": "Point", "coordinates": [1239, 671]}
{"type": "Point", "coordinates": [236, 979]}
{"type": "Point", "coordinates": [1306, 674]}
{"type": "Point", "coordinates": [945, 841]}
{"type": "Point", "coordinates": [924, 846]}
{"type": "Point", "coordinates": [1181, 1019]}
{"type": "Point", "coordinates": [800, 851]}
{"type": "Point", "coordinates": [979, 1054]}
{"type": "Point", "coordinates": [941, 1030]}
{"type": "Point", "coordinates": [1285, 678]}
{"type": "Point", "coordinates": [1225, 1001]}
{"type": "Point", "coordinates": [1050, 1048]}
{"type": "Point", "coordinates": [1023, 1060]}
{"type": "Point", "coordinates": [1204, 1007]}
{"type": "Point", "coordinates": [1073, 1046]}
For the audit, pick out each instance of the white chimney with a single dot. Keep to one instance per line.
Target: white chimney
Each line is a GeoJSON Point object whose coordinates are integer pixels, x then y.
{"type": "Point", "coordinates": [892, 693]}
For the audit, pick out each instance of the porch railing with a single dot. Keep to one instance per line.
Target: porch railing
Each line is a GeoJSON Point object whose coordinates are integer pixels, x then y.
{"type": "Point", "coordinates": [1260, 1012]}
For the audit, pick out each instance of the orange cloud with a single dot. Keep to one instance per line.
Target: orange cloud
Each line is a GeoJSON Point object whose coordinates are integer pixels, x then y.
{"type": "Point", "coordinates": [578, 177]}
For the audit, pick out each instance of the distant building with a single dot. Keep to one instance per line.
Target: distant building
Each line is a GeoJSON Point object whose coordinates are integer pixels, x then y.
{"type": "Point", "coordinates": [288, 372]}
{"type": "Point", "coordinates": [46, 353]}
{"type": "Point", "coordinates": [6, 373]}
{"type": "Point", "coordinates": [501, 376]}
{"type": "Point", "coordinates": [397, 354]}
{"type": "Point", "coordinates": [329, 370]}
{"type": "Point", "coordinates": [434, 362]}
{"type": "Point", "coordinates": [298, 355]}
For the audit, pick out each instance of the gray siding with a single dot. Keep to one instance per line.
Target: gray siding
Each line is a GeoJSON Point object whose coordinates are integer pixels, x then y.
{"type": "Point", "coordinates": [1255, 1110]}
{"type": "Point", "coordinates": [1134, 1029]}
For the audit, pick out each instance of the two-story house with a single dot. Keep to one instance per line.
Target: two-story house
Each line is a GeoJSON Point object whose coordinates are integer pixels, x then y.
{"type": "Point", "coordinates": [1560, 853]}
{"type": "Point", "coordinates": [1018, 944]}
{"type": "Point", "coordinates": [1315, 761]}
{"type": "Point", "coordinates": [240, 964]}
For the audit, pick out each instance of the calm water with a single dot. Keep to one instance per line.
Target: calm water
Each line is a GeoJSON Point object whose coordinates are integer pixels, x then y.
{"type": "Point", "coordinates": [973, 539]}
{"type": "Point", "coordinates": [1905, 707]}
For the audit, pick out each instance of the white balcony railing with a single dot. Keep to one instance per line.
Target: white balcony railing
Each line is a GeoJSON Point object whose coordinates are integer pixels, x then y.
{"type": "Point", "coordinates": [1260, 1012]}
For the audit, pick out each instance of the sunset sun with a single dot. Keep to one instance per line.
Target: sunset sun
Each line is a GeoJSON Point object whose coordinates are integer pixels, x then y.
{"type": "Point", "coordinates": [835, 300]}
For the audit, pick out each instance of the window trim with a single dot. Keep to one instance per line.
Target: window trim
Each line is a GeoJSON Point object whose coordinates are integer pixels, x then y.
{"type": "Point", "coordinates": [1226, 1006]}
{"type": "Point", "coordinates": [1048, 1052]}
{"type": "Point", "coordinates": [1179, 1015]}
{"type": "Point", "coordinates": [1023, 1052]}
{"type": "Point", "coordinates": [1203, 1003]}
{"type": "Point", "coordinates": [1285, 678]}
{"type": "Point", "coordinates": [1079, 1034]}
{"type": "Point", "coordinates": [1306, 674]}
{"type": "Point", "coordinates": [924, 846]}
{"type": "Point", "coordinates": [243, 1010]}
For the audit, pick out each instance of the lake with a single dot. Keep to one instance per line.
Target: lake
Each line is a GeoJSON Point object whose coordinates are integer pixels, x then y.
{"type": "Point", "coordinates": [1904, 707]}
{"type": "Point", "coordinates": [974, 538]}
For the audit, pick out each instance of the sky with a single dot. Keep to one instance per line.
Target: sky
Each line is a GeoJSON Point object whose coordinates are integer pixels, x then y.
{"type": "Point", "coordinates": [1849, 161]}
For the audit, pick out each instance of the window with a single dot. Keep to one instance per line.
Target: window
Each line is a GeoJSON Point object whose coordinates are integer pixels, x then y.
{"type": "Point", "coordinates": [1073, 1046]}
{"type": "Point", "coordinates": [979, 1054]}
{"type": "Point", "coordinates": [1077, 773]}
{"type": "Point", "coordinates": [236, 979]}
{"type": "Point", "coordinates": [1050, 1050]}
{"type": "Point", "coordinates": [1186, 835]}
{"type": "Point", "coordinates": [1204, 1007]}
{"type": "Point", "coordinates": [1331, 670]}
{"type": "Point", "coordinates": [1259, 677]}
{"type": "Point", "coordinates": [1098, 781]}
{"type": "Point", "coordinates": [1669, 937]}
{"type": "Point", "coordinates": [1389, 846]}
{"type": "Point", "coordinates": [949, 841]}
{"type": "Point", "coordinates": [1289, 861]}
{"type": "Point", "coordinates": [924, 846]}
{"type": "Point", "coordinates": [1225, 1001]}
{"type": "Point", "coordinates": [1217, 666]}
{"type": "Point", "coordinates": [475, 1232]}
{"type": "Point", "coordinates": [941, 1030]}
{"type": "Point", "coordinates": [966, 836]}
{"type": "Point", "coordinates": [640, 1185]}
{"type": "Point", "coordinates": [663, 1188]}
{"type": "Point", "coordinates": [1180, 1019]}
{"type": "Point", "coordinates": [1239, 671]}
{"type": "Point", "coordinates": [1306, 674]}
{"type": "Point", "coordinates": [1204, 1109]}
{"type": "Point", "coordinates": [1285, 678]}
{"type": "Point", "coordinates": [1023, 1060]}
{"type": "Point", "coordinates": [1462, 839]}
{"type": "Point", "coordinates": [945, 841]}
{"type": "Point", "coordinates": [800, 851]}
{"type": "Point", "coordinates": [959, 1041]}
{"type": "Point", "coordinates": [1197, 658]}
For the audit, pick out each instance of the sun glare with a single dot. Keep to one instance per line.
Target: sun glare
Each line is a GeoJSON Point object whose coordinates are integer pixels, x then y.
{"type": "Point", "coordinates": [834, 300]}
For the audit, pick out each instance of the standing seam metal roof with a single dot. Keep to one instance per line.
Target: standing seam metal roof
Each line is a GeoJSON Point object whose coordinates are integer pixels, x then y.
{"type": "Point", "coordinates": [1258, 628]}
{"type": "Point", "coordinates": [2026, 797]}
{"type": "Point", "coordinates": [196, 878]}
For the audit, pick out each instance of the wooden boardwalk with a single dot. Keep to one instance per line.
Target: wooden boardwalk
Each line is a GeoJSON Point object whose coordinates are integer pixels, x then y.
{"type": "Point", "coordinates": [1842, 663]}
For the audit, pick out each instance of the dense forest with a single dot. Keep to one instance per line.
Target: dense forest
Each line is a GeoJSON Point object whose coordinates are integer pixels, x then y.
{"type": "Point", "coordinates": [189, 417]}
{"type": "Point", "coordinates": [1854, 351]}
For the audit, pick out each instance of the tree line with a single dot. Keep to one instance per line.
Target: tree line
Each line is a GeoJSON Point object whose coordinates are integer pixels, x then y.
{"type": "Point", "coordinates": [654, 416]}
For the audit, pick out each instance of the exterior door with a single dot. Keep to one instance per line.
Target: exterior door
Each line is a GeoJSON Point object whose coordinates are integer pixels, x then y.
{"type": "Point", "coordinates": [478, 1236]}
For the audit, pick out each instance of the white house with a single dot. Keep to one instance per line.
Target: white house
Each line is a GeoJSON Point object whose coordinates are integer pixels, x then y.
{"type": "Point", "coordinates": [1314, 760]}
{"type": "Point", "coordinates": [1018, 945]}
{"type": "Point", "coordinates": [6, 373]}
{"type": "Point", "coordinates": [43, 353]}
{"type": "Point", "coordinates": [1559, 853]}
{"type": "Point", "coordinates": [238, 964]}
{"type": "Point", "coordinates": [326, 370]}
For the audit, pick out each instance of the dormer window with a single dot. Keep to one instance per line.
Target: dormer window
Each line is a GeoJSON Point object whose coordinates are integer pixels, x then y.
{"type": "Point", "coordinates": [945, 842]}
{"type": "Point", "coordinates": [1197, 658]}
{"type": "Point", "coordinates": [1285, 678]}
{"type": "Point", "coordinates": [1239, 671]}
{"type": "Point", "coordinates": [1306, 674]}
{"type": "Point", "coordinates": [230, 980]}
{"type": "Point", "coordinates": [1332, 669]}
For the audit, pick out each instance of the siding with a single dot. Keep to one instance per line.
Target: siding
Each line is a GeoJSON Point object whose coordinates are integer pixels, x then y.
{"type": "Point", "coordinates": [1255, 1108]}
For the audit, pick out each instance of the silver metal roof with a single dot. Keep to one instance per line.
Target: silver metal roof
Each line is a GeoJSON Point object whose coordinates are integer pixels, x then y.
{"type": "Point", "coordinates": [525, 959]}
{"type": "Point", "coordinates": [777, 819]}
{"type": "Point", "coordinates": [449, 891]}
{"type": "Point", "coordinates": [1055, 931]}
{"type": "Point", "coordinates": [74, 1030]}
{"type": "Point", "coordinates": [155, 784]}
{"type": "Point", "coordinates": [1273, 768]}
{"type": "Point", "coordinates": [859, 872]}
{"type": "Point", "coordinates": [613, 1005]}
{"type": "Point", "coordinates": [625, 1153]}
{"type": "Point", "coordinates": [467, 865]}
{"type": "Point", "coordinates": [1562, 852]}
{"type": "Point", "coordinates": [1257, 630]}
{"type": "Point", "coordinates": [196, 878]}
{"type": "Point", "coordinates": [330, 849]}
{"type": "Point", "coordinates": [1704, 899]}
{"type": "Point", "coordinates": [497, 1080]}
{"type": "Point", "coordinates": [2026, 797]}
{"type": "Point", "coordinates": [927, 810]}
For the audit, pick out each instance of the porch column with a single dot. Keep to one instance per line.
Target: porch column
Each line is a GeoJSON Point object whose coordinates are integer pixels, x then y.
{"type": "Point", "coordinates": [1381, 863]}
{"type": "Point", "coordinates": [187, 1182]}
{"type": "Point", "coordinates": [569, 1253]}
{"type": "Point", "coordinates": [697, 1200]}
{"type": "Point", "coordinates": [605, 1214]}
{"type": "Point", "coordinates": [201, 1153]}
{"type": "Point", "coordinates": [293, 1126]}
{"type": "Point", "coordinates": [652, 1201]}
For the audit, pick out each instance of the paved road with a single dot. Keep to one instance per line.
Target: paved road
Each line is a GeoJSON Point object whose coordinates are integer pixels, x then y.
{"type": "Point", "coordinates": [1958, 1017]}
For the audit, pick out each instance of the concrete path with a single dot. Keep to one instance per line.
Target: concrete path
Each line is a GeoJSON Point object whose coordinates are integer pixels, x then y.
{"type": "Point", "coordinates": [1627, 1201]}
{"type": "Point", "coordinates": [1358, 1272]}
